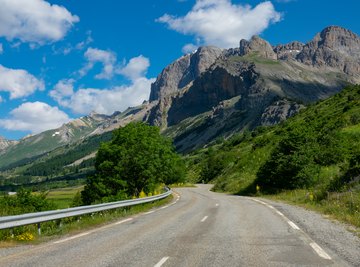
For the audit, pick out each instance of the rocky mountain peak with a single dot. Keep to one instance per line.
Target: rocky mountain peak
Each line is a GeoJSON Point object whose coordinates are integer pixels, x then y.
{"type": "Point", "coordinates": [183, 71]}
{"type": "Point", "coordinates": [257, 45]}
{"type": "Point", "coordinates": [334, 47]}
{"type": "Point", "coordinates": [288, 51]}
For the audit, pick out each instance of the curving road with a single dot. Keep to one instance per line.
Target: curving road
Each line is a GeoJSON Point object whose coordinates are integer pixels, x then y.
{"type": "Point", "coordinates": [200, 228]}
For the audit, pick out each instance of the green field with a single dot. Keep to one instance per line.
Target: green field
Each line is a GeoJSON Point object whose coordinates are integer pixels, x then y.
{"type": "Point", "coordinates": [63, 197]}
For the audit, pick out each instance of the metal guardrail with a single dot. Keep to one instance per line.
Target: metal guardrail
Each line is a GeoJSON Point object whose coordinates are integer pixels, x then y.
{"type": "Point", "coordinates": [7, 222]}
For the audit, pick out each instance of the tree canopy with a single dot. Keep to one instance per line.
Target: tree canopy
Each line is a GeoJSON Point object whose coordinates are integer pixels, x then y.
{"type": "Point", "coordinates": [137, 159]}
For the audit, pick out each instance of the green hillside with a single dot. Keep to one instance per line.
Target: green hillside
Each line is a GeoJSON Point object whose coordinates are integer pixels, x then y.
{"type": "Point", "coordinates": [55, 168]}
{"type": "Point", "coordinates": [313, 157]}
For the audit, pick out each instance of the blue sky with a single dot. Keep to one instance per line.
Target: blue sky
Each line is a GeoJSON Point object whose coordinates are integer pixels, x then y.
{"type": "Point", "coordinates": [62, 59]}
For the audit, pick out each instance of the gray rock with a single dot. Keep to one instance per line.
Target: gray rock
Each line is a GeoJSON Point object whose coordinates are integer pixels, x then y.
{"type": "Point", "coordinates": [258, 46]}
{"type": "Point", "coordinates": [4, 143]}
{"type": "Point", "coordinates": [183, 71]}
{"type": "Point", "coordinates": [288, 51]}
{"type": "Point", "coordinates": [279, 111]}
{"type": "Point", "coordinates": [334, 47]}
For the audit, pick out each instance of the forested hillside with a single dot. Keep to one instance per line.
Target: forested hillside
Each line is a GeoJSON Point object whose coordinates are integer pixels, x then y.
{"type": "Point", "coordinates": [316, 152]}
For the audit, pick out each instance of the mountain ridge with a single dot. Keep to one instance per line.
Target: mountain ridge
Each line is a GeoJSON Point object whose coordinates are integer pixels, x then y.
{"type": "Point", "coordinates": [216, 92]}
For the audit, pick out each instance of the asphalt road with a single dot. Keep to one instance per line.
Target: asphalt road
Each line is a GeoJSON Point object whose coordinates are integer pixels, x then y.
{"type": "Point", "coordinates": [200, 228]}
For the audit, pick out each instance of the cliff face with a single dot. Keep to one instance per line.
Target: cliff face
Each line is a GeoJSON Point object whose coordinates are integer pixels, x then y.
{"type": "Point", "coordinates": [333, 47]}
{"type": "Point", "coordinates": [183, 71]}
{"type": "Point", "coordinates": [268, 83]}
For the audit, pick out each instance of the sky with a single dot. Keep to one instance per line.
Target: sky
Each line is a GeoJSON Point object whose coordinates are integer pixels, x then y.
{"type": "Point", "coordinates": [62, 59]}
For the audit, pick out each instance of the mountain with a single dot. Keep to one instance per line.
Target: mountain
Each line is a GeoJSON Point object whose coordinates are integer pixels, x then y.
{"type": "Point", "coordinates": [254, 84]}
{"type": "Point", "coordinates": [4, 143]}
{"type": "Point", "coordinates": [215, 92]}
{"type": "Point", "coordinates": [44, 142]}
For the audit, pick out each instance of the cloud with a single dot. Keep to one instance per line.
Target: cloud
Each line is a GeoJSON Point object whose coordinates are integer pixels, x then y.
{"type": "Point", "coordinates": [189, 48]}
{"type": "Point", "coordinates": [106, 58]}
{"type": "Point", "coordinates": [221, 23]}
{"type": "Point", "coordinates": [67, 49]}
{"type": "Point", "coordinates": [35, 117]}
{"type": "Point", "coordinates": [19, 83]}
{"type": "Point", "coordinates": [34, 21]}
{"type": "Point", "coordinates": [1, 48]}
{"type": "Point", "coordinates": [135, 68]}
{"type": "Point", "coordinates": [62, 90]}
{"type": "Point", "coordinates": [106, 101]}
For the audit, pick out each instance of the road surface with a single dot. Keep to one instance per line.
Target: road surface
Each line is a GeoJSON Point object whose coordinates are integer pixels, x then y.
{"type": "Point", "coordinates": [199, 228]}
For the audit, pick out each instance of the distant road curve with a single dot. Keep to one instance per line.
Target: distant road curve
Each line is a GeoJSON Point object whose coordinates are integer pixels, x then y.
{"type": "Point", "coordinates": [202, 228]}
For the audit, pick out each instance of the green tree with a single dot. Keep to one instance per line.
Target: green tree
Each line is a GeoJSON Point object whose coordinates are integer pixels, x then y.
{"type": "Point", "coordinates": [137, 159]}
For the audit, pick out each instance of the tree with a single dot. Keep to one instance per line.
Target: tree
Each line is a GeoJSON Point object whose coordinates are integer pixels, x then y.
{"type": "Point", "coordinates": [137, 159]}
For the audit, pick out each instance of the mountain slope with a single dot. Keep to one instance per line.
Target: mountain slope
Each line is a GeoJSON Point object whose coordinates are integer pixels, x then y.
{"type": "Point", "coordinates": [49, 140]}
{"type": "Point", "coordinates": [266, 81]}
{"type": "Point", "coordinates": [4, 143]}
{"type": "Point", "coordinates": [316, 154]}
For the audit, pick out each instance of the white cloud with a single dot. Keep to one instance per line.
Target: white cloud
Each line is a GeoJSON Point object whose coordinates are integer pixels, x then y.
{"type": "Point", "coordinates": [62, 90]}
{"type": "Point", "coordinates": [221, 23]}
{"type": "Point", "coordinates": [35, 117]}
{"type": "Point", "coordinates": [106, 101]}
{"type": "Point", "coordinates": [1, 48]}
{"type": "Point", "coordinates": [135, 68]}
{"type": "Point", "coordinates": [109, 100]}
{"type": "Point", "coordinates": [34, 21]}
{"type": "Point", "coordinates": [189, 48]}
{"type": "Point", "coordinates": [67, 49]}
{"type": "Point", "coordinates": [107, 58]}
{"type": "Point", "coordinates": [19, 83]}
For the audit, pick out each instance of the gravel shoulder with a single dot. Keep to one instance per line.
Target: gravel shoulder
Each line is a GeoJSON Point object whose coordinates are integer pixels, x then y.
{"type": "Point", "coordinates": [333, 235]}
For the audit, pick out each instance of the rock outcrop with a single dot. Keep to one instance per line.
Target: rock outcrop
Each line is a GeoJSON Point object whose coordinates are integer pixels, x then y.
{"type": "Point", "coordinates": [4, 143]}
{"type": "Point", "coordinates": [257, 45]}
{"type": "Point", "coordinates": [334, 47]}
{"type": "Point", "coordinates": [183, 71]}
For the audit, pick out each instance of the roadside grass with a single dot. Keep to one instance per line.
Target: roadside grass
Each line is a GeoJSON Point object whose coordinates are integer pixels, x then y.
{"type": "Point", "coordinates": [182, 185]}
{"type": "Point", "coordinates": [54, 229]}
{"type": "Point", "coordinates": [344, 206]}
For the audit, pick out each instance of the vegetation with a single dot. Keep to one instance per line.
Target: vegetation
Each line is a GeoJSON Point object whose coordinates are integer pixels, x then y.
{"type": "Point", "coordinates": [54, 169]}
{"type": "Point", "coordinates": [315, 154]}
{"type": "Point", "coordinates": [138, 159]}
{"type": "Point", "coordinates": [73, 224]}
{"type": "Point", "coordinates": [24, 202]}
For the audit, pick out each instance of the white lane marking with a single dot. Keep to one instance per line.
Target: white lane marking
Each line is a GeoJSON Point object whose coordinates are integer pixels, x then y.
{"type": "Point", "coordinates": [149, 212]}
{"type": "Point", "coordinates": [280, 213]}
{"type": "Point", "coordinates": [164, 207]}
{"type": "Point", "coordinates": [161, 262]}
{"type": "Point", "coordinates": [217, 205]}
{"type": "Point", "coordinates": [71, 238]}
{"type": "Point", "coordinates": [293, 225]}
{"type": "Point", "coordinates": [204, 219]}
{"type": "Point", "coordinates": [320, 251]}
{"type": "Point", "coordinates": [124, 221]}
{"type": "Point", "coordinates": [314, 246]}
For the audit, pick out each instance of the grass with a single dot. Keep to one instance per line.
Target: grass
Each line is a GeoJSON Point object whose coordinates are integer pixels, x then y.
{"type": "Point", "coordinates": [73, 225]}
{"type": "Point", "coordinates": [182, 185]}
{"type": "Point", "coordinates": [63, 197]}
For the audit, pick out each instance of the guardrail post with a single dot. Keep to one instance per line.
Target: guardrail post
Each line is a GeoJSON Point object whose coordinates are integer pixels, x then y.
{"type": "Point", "coordinates": [39, 228]}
